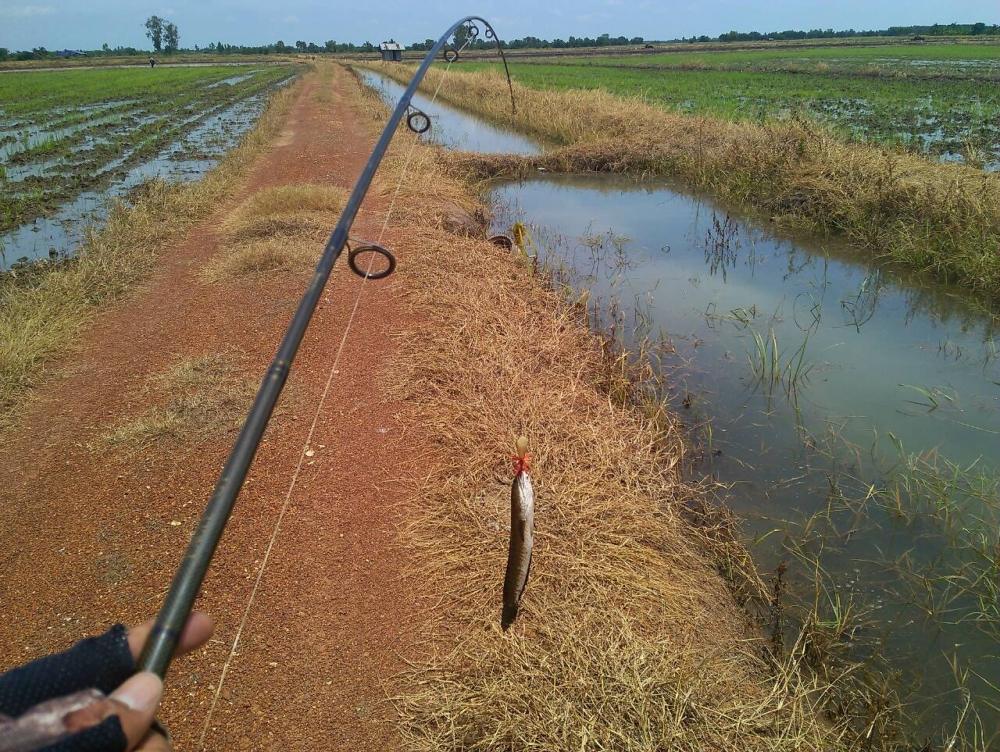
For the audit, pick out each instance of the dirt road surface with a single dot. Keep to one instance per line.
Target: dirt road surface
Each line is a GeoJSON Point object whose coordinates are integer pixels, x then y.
{"type": "Point", "coordinates": [92, 534]}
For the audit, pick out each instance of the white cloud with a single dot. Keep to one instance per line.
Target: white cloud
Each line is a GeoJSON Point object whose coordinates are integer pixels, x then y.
{"type": "Point", "coordinates": [26, 11]}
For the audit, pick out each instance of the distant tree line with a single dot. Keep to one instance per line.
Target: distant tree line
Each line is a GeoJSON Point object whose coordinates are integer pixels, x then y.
{"type": "Point", "coordinates": [165, 37]}
{"type": "Point", "coordinates": [936, 30]}
{"type": "Point", "coordinates": [529, 42]}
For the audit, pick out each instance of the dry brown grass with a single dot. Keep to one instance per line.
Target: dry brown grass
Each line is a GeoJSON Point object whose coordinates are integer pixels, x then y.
{"type": "Point", "coordinates": [40, 321]}
{"type": "Point", "coordinates": [629, 638]}
{"type": "Point", "coordinates": [276, 229]}
{"type": "Point", "coordinates": [939, 218]}
{"type": "Point", "coordinates": [195, 396]}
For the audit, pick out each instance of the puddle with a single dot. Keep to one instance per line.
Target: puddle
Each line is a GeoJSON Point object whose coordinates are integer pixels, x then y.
{"type": "Point", "coordinates": [802, 369]}
{"type": "Point", "coordinates": [232, 80]}
{"type": "Point", "coordinates": [451, 126]}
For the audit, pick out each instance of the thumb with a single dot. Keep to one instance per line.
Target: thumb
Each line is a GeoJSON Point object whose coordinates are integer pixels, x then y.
{"type": "Point", "coordinates": [137, 701]}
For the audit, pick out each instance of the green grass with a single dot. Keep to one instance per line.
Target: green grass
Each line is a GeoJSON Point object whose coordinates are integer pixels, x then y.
{"type": "Point", "coordinates": [898, 58]}
{"type": "Point", "coordinates": [954, 117]}
{"type": "Point", "coordinates": [39, 92]}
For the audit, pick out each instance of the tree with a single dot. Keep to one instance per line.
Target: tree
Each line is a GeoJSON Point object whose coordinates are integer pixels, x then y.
{"type": "Point", "coordinates": [461, 36]}
{"type": "Point", "coordinates": [154, 30]}
{"type": "Point", "coordinates": [171, 38]}
{"type": "Point", "coordinates": [4, 53]}
{"type": "Point", "coordinates": [300, 45]}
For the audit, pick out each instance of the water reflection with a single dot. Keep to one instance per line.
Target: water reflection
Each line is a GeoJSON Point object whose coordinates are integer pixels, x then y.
{"type": "Point", "coordinates": [854, 410]}
{"type": "Point", "coordinates": [451, 126]}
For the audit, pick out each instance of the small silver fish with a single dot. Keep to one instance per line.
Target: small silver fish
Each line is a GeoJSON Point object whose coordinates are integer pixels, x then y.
{"type": "Point", "coordinates": [43, 725]}
{"type": "Point", "coordinates": [522, 522]}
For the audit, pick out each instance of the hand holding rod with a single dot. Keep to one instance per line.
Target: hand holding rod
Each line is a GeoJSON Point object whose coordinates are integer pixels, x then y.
{"type": "Point", "coordinates": [159, 648]}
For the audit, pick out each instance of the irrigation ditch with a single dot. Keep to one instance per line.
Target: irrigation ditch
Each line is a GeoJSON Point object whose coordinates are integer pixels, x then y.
{"type": "Point", "coordinates": [842, 406]}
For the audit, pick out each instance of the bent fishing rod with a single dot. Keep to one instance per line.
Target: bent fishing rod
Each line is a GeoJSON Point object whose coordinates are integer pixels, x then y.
{"type": "Point", "coordinates": [159, 649]}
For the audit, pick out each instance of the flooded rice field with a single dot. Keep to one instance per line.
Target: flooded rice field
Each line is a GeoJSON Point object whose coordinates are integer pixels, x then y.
{"type": "Point", "coordinates": [951, 117]}
{"type": "Point", "coordinates": [64, 156]}
{"type": "Point", "coordinates": [853, 414]}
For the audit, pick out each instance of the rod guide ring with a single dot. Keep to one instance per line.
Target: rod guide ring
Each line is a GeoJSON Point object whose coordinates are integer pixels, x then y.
{"type": "Point", "coordinates": [418, 121]}
{"type": "Point", "coordinates": [354, 253]}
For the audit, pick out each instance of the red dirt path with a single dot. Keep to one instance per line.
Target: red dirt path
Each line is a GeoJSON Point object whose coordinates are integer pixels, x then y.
{"type": "Point", "coordinates": [87, 534]}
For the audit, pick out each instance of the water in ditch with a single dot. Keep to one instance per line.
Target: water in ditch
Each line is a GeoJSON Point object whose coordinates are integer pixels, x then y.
{"type": "Point", "coordinates": [853, 411]}
{"type": "Point", "coordinates": [453, 127]}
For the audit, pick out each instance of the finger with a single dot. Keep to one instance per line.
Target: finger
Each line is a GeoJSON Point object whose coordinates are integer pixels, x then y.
{"type": "Point", "coordinates": [196, 632]}
{"type": "Point", "coordinates": [134, 704]}
{"type": "Point", "coordinates": [154, 742]}
{"type": "Point", "coordinates": [137, 701]}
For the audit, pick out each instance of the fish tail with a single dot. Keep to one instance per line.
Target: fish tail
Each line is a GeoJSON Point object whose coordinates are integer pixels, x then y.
{"type": "Point", "coordinates": [508, 616]}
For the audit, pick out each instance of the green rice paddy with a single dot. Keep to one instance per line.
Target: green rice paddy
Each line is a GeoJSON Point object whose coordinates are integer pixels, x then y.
{"type": "Point", "coordinates": [941, 100]}
{"type": "Point", "coordinates": [69, 131]}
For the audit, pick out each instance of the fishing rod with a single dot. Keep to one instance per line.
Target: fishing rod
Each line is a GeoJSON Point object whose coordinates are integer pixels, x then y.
{"type": "Point", "coordinates": [158, 651]}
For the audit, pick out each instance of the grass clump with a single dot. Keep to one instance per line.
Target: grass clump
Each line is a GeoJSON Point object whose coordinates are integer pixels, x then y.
{"type": "Point", "coordinates": [261, 256]}
{"type": "Point", "coordinates": [199, 395]}
{"type": "Point", "coordinates": [287, 200]}
{"type": "Point", "coordinates": [276, 229]}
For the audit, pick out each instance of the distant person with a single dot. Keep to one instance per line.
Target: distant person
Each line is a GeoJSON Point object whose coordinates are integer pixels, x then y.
{"type": "Point", "coordinates": [152, 63]}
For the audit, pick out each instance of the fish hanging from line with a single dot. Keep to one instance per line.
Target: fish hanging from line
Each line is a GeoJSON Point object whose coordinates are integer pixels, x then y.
{"type": "Point", "coordinates": [522, 521]}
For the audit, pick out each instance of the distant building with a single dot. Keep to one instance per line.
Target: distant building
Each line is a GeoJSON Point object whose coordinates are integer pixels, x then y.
{"type": "Point", "coordinates": [69, 53]}
{"type": "Point", "coordinates": [392, 51]}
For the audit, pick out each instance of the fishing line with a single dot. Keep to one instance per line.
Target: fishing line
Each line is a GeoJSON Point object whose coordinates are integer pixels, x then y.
{"type": "Point", "coordinates": [312, 427]}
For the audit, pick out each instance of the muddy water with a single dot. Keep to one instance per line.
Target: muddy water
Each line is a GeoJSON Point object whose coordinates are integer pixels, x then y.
{"type": "Point", "coordinates": [809, 375]}
{"type": "Point", "coordinates": [185, 160]}
{"type": "Point", "coordinates": [451, 126]}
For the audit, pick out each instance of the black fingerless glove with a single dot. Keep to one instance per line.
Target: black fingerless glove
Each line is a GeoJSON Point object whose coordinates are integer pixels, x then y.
{"type": "Point", "coordinates": [103, 663]}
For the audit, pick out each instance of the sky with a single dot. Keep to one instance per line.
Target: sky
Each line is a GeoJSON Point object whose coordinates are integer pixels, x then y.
{"type": "Point", "coordinates": [86, 24]}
